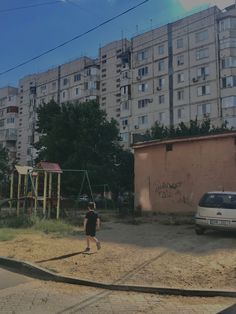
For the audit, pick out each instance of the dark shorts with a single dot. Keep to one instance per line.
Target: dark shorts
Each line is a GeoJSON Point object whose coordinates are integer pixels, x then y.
{"type": "Point", "coordinates": [90, 232]}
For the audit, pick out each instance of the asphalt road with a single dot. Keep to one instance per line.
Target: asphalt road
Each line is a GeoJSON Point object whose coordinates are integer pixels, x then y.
{"type": "Point", "coordinates": [22, 295]}
{"type": "Point", "coordinates": [9, 279]}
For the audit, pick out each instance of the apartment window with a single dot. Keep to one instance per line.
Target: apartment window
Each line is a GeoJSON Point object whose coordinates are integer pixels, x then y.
{"type": "Point", "coordinates": [54, 85]}
{"type": "Point", "coordinates": [104, 89]}
{"type": "Point", "coordinates": [64, 95]}
{"type": "Point", "coordinates": [104, 75]}
{"type": "Point", "coordinates": [180, 113]}
{"type": "Point", "coordinates": [228, 62]}
{"type": "Point", "coordinates": [104, 61]}
{"type": "Point", "coordinates": [77, 91]}
{"type": "Point", "coordinates": [143, 71]}
{"type": "Point", "coordinates": [203, 71]}
{"type": "Point", "coordinates": [161, 82]}
{"type": "Point", "coordinates": [124, 122]}
{"type": "Point", "coordinates": [65, 81]}
{"type": "Point", "coordinates": [180, 43]}
{"type": "Point", "coordinates": [203, 109]}
{"type": "Point", "coordinates": [142, 120]}
{"type": "Point", "coordinates": [77, 77]}
{"type": "Point", "coordinates": [142, 55]}
{"type": "Point", "coordinates": [124, 90]}
{"type": "Point", "coordinates": [203, 90]}
{"type": "Point", "coordinates": [13, 109]}
{"type": "Point", "coordinates": [200, 36]}
{"type": "Point", "coordinates": [228, 43]}
{"type": "Point", "coordinates": [125, 75]}
{"type": "Point", "coordinates": [180, 59]}
{"type": "Point", "coordinates": [161, 99]}
{"type": "Point", "coordinates": [180, 94]}
{"type": "Point", "coordinates": [142, 103]}
{"type": "Point", "coordinates": [42, 89]}
{"type": "Point", "coordinates": [227, 23]}
{"type": "Point", "coordinates": [161, 49]}
{"type": "Point", "coordinates": [227, 102]}
{"type": "Point", "coordinates": [161, 65]}
{"type": "Point", "coordinates": [143, 87]}
{"type": "Point", "coordinates": [104, 56]}
{"type": "Point", "coordinates": [124, 137]}
{"type": "Point", "coordinates": [180, 77]}
{"type": "Point", "coordinates": [2, 123]}
{"type": "Point", "coordinates": [202, 53]}
{"type": "Point", "coordinates": [228, 81]}
{"type": "Point", "coordinates": [10, 120]}
{"type": "Point", "coordinates": [125, 105]}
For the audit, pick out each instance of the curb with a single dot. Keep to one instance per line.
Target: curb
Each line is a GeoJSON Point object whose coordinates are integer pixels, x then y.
{"type": "Point", "coordinates": [33, 271]}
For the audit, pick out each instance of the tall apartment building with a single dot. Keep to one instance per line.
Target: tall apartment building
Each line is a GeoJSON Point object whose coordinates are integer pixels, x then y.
{"type": "Point", "coordinates": [171, 74]}
{"type": "Point", "coordinates": [75, 81]}
{"type": "Point", "coordinates": [8, 120]}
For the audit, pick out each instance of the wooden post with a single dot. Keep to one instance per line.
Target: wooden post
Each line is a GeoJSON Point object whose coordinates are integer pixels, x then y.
{"type": "Point", "coordinates": [36, 193]}
{"type": "Point", "coordinates": [45, 193]}
{"type": "Point", "coordinates": [11, 189]}
{"type": "Point", "coordinates": [25, 190]}
{"type": "Point", "coordinates": [50, 195]}
{"type": "Point", "coordinates": [58, 193]}
{"type": "Point", "coordinates": [18, 195]}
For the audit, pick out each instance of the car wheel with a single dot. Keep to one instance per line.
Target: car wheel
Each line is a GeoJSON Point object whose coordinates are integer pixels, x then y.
{"type": "Point", "coordinates": [199, 230]}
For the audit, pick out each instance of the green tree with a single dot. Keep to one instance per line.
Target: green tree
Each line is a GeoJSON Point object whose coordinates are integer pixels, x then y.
{"type": "Point", "coordinates": [193, 128]}
{"type": "Point", "coordinates": [80, 137]}
{"type": "Point", "coordinates": [4, 171]}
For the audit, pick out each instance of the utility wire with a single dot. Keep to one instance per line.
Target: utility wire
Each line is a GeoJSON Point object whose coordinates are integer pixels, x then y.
{"type": "Point", "coordinates": [30, 6]}
{"type": "Point", "coordinates": [74, 38]}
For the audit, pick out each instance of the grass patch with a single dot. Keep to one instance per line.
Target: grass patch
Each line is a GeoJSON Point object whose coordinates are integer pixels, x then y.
{"type": "Point", "coordinates": [7, 234]}
{"type": "Point", "coordinates": [52, 226]}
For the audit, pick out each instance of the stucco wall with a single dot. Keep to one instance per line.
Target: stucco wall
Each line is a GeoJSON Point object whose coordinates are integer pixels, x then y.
{"type": "Point", "coordinates": [173, 181]}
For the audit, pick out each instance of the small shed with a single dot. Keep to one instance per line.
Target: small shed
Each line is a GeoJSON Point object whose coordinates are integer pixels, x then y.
{"type": "Point", "coordinates": [172, 175]}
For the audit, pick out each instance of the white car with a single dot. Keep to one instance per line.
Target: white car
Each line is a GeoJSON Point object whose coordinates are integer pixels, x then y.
{"type": "Point", "coordinates": [216, 210]}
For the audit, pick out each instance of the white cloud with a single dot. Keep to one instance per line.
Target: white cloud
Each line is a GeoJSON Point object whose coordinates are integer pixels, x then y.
{"type": "Point", "coordinates": [190, 4]}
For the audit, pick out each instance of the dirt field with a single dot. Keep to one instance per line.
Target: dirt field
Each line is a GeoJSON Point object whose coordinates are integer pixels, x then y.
{"type": "Point", "coordinates": [145, 254]}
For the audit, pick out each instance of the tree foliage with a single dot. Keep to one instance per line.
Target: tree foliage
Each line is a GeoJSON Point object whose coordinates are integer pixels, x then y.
{"type": "Point", "coordinates": [4, 166]}
{"type": "Point", "coordinates": [80, 137]}
{"type": "Point", "coordinates": [194, 128]}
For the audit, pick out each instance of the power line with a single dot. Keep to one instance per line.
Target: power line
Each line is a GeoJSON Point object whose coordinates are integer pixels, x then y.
{"type": "Point", "coordinates": [30, 6]}
{"type": "Point", "coordinates": [74, 38]}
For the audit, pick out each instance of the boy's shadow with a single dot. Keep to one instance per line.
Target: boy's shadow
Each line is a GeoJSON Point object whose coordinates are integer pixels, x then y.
{"type": "Point", "coordinates": [65, 256]}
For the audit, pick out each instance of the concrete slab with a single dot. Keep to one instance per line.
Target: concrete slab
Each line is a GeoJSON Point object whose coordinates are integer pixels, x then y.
{"type": "Point", "coordinates": [9, 279]}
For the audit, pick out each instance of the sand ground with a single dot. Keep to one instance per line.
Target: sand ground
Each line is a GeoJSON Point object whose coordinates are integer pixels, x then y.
{"type": "Point", "coordinates": [146, 254]}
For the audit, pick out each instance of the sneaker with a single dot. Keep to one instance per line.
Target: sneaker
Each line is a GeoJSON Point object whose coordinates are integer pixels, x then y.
{"type": "Point", "coordinates": [98, 245]}
{"type": "Point", "coordinates": [87, 249]}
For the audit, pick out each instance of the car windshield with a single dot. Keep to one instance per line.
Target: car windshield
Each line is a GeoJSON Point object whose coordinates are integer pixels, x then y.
{"type": "Point", "coordinates": [218, 200]}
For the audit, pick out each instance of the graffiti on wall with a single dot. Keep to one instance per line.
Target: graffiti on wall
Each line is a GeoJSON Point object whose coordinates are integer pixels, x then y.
{"type": "Point", "coordinates": [167, 189]}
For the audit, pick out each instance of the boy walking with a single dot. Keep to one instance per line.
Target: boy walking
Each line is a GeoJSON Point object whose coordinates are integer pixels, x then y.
{"type": "Point", "coordinates": [91, 224]}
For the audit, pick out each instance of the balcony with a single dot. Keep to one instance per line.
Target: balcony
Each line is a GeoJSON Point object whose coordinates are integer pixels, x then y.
{"type": "Point", "coordinates": [10, 135]}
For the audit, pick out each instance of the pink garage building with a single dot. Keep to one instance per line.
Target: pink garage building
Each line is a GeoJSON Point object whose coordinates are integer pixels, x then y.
{"type": "Point", "coordinates": [171, 175]}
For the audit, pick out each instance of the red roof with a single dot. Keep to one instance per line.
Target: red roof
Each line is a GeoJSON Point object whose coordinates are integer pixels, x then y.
{"type": "Point", "coordinates": [49, 167]}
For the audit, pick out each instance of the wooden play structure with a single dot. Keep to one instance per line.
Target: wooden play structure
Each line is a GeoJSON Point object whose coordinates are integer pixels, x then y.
{"type": "Point", "coordinates": [35, 186]}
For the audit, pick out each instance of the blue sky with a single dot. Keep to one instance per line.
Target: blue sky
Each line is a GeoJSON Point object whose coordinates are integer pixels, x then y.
{"type": "Point", "coordinates": [28, 32]}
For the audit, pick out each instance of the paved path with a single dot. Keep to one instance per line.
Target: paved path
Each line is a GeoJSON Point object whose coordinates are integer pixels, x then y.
{"type": "Point", "coordinates": [21, 295]}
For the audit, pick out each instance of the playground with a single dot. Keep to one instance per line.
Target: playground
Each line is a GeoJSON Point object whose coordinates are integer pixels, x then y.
{"type": "Point", "coordinates": [47, 191]}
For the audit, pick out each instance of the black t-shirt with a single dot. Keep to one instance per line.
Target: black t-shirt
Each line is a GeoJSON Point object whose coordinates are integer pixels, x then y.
{"type": "Point", "coordinates": [92, 217]}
